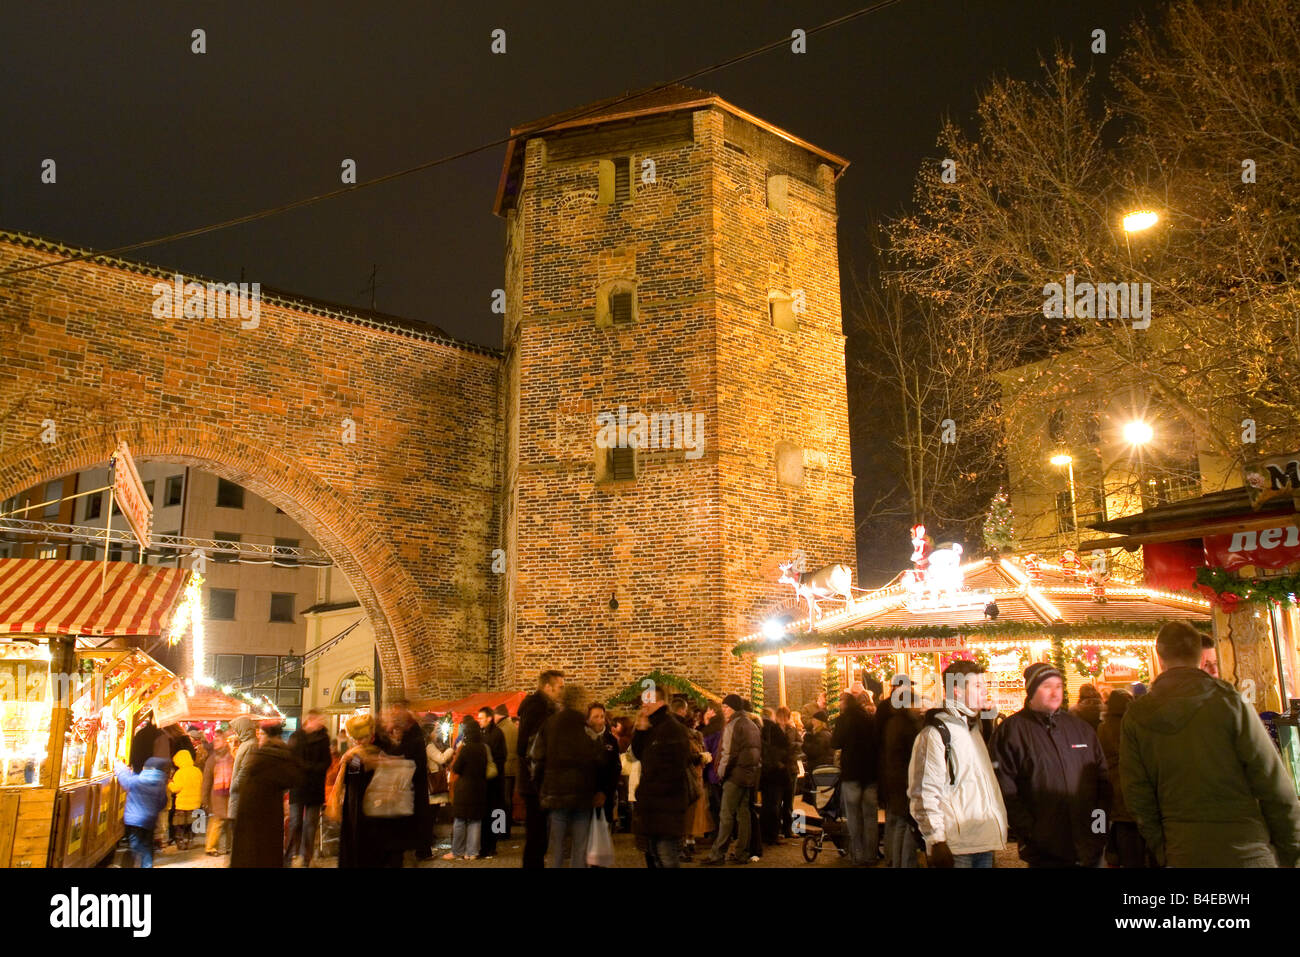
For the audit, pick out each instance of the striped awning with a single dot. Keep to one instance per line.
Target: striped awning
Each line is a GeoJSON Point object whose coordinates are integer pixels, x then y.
{"type": "Point", "coordinates": [46, 596]}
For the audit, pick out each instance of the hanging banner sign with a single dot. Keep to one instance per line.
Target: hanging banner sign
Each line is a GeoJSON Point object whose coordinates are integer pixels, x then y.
{"type": "Point", "coordinates": [894, 646]}
{"type": "Point", "coordinates": [171, 704]}
{"type": "Point", "coordinates": [1275, 547]}
{"type": "Point", "coordinates": [129, 495]}
{"type": "Point", "coordinates": [1272, 478]}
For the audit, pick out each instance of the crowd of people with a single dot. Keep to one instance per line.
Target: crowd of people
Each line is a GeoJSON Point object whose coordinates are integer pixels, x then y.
{"type": "Point", "coordinates": [1182, 774]}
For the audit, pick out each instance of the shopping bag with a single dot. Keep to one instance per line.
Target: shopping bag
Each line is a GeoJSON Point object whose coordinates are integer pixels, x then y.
{"type": "Point", "coordinates": [390, 792]}
{"type": "Point", "coordinates": [600, 845]}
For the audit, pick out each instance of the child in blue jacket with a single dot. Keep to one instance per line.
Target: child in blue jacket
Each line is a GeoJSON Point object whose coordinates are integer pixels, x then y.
{"type": "Point", "coordinates": [146, 796]}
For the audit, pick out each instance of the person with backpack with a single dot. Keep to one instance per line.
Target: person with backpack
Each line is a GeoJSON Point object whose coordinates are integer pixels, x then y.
{"type": "Point", "coordinates": [952, 788]}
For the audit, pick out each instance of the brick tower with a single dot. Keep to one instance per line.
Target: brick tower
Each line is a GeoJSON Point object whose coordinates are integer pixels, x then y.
{"type": "Point", "coordinates": [674, 256]}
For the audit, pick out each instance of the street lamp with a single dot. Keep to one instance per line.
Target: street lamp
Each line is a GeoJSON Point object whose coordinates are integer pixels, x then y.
{"type": "Point", "coordinates": [1138, 432]}
{"type": "Point", "coordinates": [1068, 462]}
{"type": "Point", "coordinates": [1138, 220]}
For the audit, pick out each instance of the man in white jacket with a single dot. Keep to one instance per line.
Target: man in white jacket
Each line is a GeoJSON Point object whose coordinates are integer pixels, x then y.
{"type": "Point", "coordinates": [953, 793]}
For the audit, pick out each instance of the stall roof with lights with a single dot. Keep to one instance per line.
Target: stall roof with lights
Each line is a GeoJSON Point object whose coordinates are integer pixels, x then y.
{"type": "Point", "coordinates": [1041, 598]}
{"type": "Point", "coordinates": [43, 596]}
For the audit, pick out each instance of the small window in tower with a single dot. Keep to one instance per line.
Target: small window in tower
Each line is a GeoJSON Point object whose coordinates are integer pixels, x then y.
{"type": "Point", "coordinates": [620, 308]}
{"type": "Point", "coordinates": [614, 180]}
{"type": "Point", "coordinates": [789, 464]}
{"type": "Point", "coordinates": [622, 464]}
{"type": "Point", "coordinates": [778, 194]}
{"type": "Point", "coordinates": [616, 303]}
{"type": "Point", "coordinates": [622, 179]}
{"type": "Point", "coordinates": [780, 308]}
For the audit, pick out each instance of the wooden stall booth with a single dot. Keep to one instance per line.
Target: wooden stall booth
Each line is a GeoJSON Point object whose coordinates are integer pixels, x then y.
{"type": "Point", "coordinates": [75, 684]}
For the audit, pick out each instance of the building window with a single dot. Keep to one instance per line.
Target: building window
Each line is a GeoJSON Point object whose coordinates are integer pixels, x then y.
{"type": "Point", "coordinates": [282, 607]}
{"type": "Point", "coordinates": [290, 672]}
{"type": "Point", "coordinates": [614, 181]}
{"type": "Point", "coordinates": [226, 540]}
{"type": "Point", "coordinates": [53, 490]}
{"type": "Point", "coordinates": [1056, 427]}
{"type": "Point", "coordinates": [1064, 513]}
{"type": "Point", "coordinates": [175, 485]}
{"type": "Point", "coordinates": [229, 495]}
{"type": "Point", "coordinates": [780, 310]}
{"type": "Point", "coordinates": [616, 304]}
{"type": "Point", "coordinates": [88, 553]}
{"type": "Point", "coordinates": [229, 669]}
{"type": "Point", "coordinates": [114, 553]}
{"type": "Point", "coordinates": [283, 551]}
{"type": "Point", "coordinates": [148, 490]}
{"type": "Point", "coordinates": [221, 604]}
{"type": "Point", "coordinates": [616, 464]}
{"type": "Point", "coordinates": [789, 464]}
{"type": "Point", "coordinates": [778, 194]}
{"type": "Point", "coordinates": [95, 506]}
{"type": "Point", "coordinates": [48, 551]}
{"type": "Point", "coordinates": [288, 698]}
{"type": "Point", "coordinates": [266, 670]}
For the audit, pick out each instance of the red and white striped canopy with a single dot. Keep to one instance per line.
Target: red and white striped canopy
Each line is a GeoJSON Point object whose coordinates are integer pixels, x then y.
{"type": "Point", "coordinates": [46, 596]}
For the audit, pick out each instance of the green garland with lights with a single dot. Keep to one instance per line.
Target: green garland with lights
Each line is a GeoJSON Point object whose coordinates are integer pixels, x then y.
{"type": "Point", "coordinates": [1084, 667]}
{"type": "Point", "coordinates": [1246, 591]}
{"type": "Point", "coordinates": [756, 686]}
{"type": "Point", "coordinates": [674, 683]}
{"type": "Point", "coordinates": [880, 667]}
{"type": "Point", "coordinates": [831, 686]}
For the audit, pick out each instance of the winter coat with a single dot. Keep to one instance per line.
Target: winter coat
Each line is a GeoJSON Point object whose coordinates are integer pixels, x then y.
{"type": "Point", "coordinates": [415, 831]}
{"type": "Point", "coordinates": [742, 752]}
{"type": "Point", "coordinates": [216, 783]}
{"type": "Point", "coordinates": [967, 815]}
{"type": "Point", "coordinates": [1202, 778]}
{"type": "Point", "coordinates": [855, 738]}
{"type": "Point", "coordinates": [713, 745]}
{"type": "Point", "coordinates": [360, 838]}
{"type": "Point", "coordinates": [567, 758]}
{"type": "Point", "coordinates": [186, 783]}
{"type": "Point", "coordinates": [510, 731]}
{"type": "Point", "coordinates": [312, 749]}
{"type": "Point", "coordinates": [664, 751]}
{"type": "Point", "coordinates": [533, 712]}
{"type": "Point", "coordinates": [469, 790]}
{"type": "Point", "coordinates": [1089, 710]}
{"type": "Point", "coordinates": [609, 769]}
{"type": "Point", "coordinates": [146, 792]}
{"type": "Point", "coordinates": [246, 731]}
{"type": "Point", "coordinates": [895, 756]}
{"type": "Point", "coordinates": [775, 750]}
{"type": "Point", "coordinates": [495, 739]}
{"type": "Point", "coordinates": [795, 740]}
{"type": "Point", "coordinates": [817, 750]}
{"type": "Point", "coordinates": [1108, 735]}
{"type": "Point", "coordinates": [269, 771]}
{"type": "Point", "coordinates": [1053, 778]}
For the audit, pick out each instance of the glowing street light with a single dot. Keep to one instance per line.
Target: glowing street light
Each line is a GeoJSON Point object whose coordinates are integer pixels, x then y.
{"type": "Point", "coordinates": [1061, 459]}
{"type": "Point", "coordinates": [1138, 433]}
{"type": "Point", "coordinates": [773, 629]}
{"type": "Point", "coordinates": [1138, 220]}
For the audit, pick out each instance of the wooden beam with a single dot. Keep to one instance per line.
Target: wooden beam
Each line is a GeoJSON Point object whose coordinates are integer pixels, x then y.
{"type": "Point", "coordinates": [1156, 536]}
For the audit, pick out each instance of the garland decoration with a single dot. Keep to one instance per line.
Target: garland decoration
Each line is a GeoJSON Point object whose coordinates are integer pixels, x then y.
{"type": "Point", "coordinates": [1227, 591]}
{"type": "Point", "coordinates": [831, 686]}
{"type": "Point", "coordinates": [675, 684]}
{"type": "Point", "coordinates": [756, 686]}
{"type": "Point", "coordinates": [880, 667]}
{"type": "Point", "coordinates": [1089, 660]}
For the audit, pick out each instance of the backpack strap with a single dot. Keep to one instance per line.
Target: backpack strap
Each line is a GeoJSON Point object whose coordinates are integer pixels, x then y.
{"type": "Point", "coordinates": [932, 720]}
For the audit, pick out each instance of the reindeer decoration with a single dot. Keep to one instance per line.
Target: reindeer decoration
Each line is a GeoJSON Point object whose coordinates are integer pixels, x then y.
{"type": "Point", "coordinates": [829, 581]}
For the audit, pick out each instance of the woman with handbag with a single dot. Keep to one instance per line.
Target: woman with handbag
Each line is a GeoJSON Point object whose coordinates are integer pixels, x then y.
{"type": "Point", "coordinates": [469, 792]}
{"type": "Point", "coordinates": [359, 838]}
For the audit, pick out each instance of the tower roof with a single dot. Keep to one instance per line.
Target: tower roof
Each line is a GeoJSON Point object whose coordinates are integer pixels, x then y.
{"type": "Point", "coordinates": [652, 101]}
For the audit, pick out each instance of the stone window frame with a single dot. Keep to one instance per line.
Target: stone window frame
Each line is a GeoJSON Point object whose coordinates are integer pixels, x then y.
{"type": "Point", "coordinates": [604, 314]}
{"type": "Point", "coordinates": [604, 464]}
{"type": "Point", "coordinates": [780, 311]}
{"type": "Point", "coordinates": [607, 171]}
{"type": "Point", "coordinates": [778, 193]}
{"type": "Point", "coordinates": [783, 448]}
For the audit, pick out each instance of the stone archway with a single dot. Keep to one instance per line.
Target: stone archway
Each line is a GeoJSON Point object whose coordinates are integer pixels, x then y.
{"type": "Point", "coordinates": [357, 548]}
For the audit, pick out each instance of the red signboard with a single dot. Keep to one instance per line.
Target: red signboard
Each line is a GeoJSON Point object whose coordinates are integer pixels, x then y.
{"type": "Point", "coordinates": [1274, 547]}
{"type": "Point", "coordinates": [129, 495]}
{"type": "Point", "coordinates": [890, 646]}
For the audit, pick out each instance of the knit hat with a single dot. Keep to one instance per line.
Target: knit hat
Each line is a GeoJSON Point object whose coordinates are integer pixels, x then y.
{"type": "Point", "coordinates": [1036, 674]}
{"type": "Point", "coordinates": [734, 702]}
{"type": "Point", "coordinates": [361, 726]}
{"type": "Point", "coordinates": [822, 716]}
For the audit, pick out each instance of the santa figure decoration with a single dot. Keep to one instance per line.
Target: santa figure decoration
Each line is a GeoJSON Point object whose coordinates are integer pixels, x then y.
{"type": "Point", "coordinates": [1033, 568]}
{"type": "Point", "coordinates": [1070, 563]}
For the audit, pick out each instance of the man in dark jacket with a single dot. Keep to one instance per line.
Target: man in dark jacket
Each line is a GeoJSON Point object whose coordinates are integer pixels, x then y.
{"type": "Point", "coordinates": [272, 769]}
{"type": "Point", "coordinates": [775, 775]}
{"type": "Point", "coordinates": [739, 767]}
{"type": "Point", "coordinates": [901, 729]}
{"type": "Point", "coordinates": [495, 811]}
{"type": "Point", "coordinates": [1052, 773]}
{"type": "Point", "coordinates": [1201, 776]}
{"type": "Point", "coordinates": [855, 738]}
{"type": "Point", "coordinates": [400, 736]}
{"type": "Point", "coordinates": [610, 767]}
{"type": "Point", "coordinates": [817, 750]}
{"type": "Point", "coordinates": [662, 745]}
{"type": "Point", "coordinates": [310, 744]}
{"type": "Point", "coordinates": [566, 760]}
{"type": "Point", "coordinates": [533, 712]}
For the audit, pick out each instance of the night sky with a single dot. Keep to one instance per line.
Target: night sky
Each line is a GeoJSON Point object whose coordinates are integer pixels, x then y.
{"type": "Point", "coordinates": [151, 139]}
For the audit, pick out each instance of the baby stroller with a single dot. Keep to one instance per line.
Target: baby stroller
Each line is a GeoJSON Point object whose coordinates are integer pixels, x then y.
{"type": "Point", "coordinates": [822, 791]}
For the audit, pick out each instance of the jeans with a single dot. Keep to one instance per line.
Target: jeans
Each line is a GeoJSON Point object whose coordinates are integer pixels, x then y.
{"type": "Point", "coordinates": [216, 826]}
{"type": "Point", "coordinates": [573, 823]}
{"type": "Point", "coordinates": [141, 841]}
{"type": "Point", "coordinates": [663, 851]}
{"type": "Point", "coordinates": [860, 817]}
{"type": "Point", "coordinates": [900, 842]}
{"type": "Point", "coordinates": [535, 828]}
{"type": "Point", "coordinates": [734, 815]}
{"type": "Point", "coordinates": [983, 859]}
{"type": "Point", "coordinates": [304, 822]}
{"type": "Point", "coordinates": [465, 836]}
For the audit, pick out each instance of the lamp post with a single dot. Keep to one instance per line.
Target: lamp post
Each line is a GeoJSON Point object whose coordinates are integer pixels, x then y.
{"type": "Point", "coordinates": [1068, 462]}
{"type": "Point", "coordinates": [1138, 434]}
{"type": "Point", "coordinates": [1136, 222]}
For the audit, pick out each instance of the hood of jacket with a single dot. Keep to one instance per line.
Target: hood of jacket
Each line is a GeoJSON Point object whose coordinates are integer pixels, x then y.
{"type": "Point", "coordinates": [1174, 699]}
{"type": "Point", "coordinates": [183, 759]}
{"type": "Point", "coordinates": [155, 769]}
{"type": "Point", "coordinates": [244, 727]}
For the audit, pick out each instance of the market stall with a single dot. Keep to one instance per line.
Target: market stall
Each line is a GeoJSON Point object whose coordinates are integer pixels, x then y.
{"type": "Point", "coordinates": [77, 686]}
{"type": "Point", "coordinates": [1005, 612]}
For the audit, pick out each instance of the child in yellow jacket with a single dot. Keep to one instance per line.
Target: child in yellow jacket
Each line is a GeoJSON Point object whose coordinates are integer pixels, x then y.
{"type": "Point", "coordinates": [187, 785]}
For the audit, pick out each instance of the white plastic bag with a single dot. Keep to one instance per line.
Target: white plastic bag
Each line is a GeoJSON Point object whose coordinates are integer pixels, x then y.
{"type": "Point", "coordinates": [390, 792]}
{"type": "Point", "coordinates": [600, 844]}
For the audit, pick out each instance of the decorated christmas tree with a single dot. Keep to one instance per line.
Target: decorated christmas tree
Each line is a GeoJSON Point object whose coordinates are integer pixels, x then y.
{"type": "Point", "coordinates": [999, 536]}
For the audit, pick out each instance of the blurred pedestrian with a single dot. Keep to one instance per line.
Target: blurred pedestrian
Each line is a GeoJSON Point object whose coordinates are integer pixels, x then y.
{"type": "Point", "coordinates": [533, 712]}
{"type": "Point", "coordinates": [146, 795]}
{"type": "Point", "coordinates": [1088, 707]}
{"type": "Point", "coordinates": [738, 770]}
{"type": "Point", "coordinates": [855, 738]}
{"type": "Point", "coordinates": [186, 788]}
{"type": "Point", "coordinates": [1125, 845]}
{"type": "Point", "coordinates": [566, 759]}
{"type": "Point", "coordinates": [216, 794]}
{"type": "Point", "coordinates": [271, 770]}
{"type": "Point", "coordinates": [468, 792]}
{"type": "Point", "coordinates": [399, 735]}
{"type": "Point", "coordinates": [359, 835]}
{"type": "Point", "coordinates": [509, 731]}
{"type": "Point", "coordinates": [243, 741]}
{"type": "Point", "coordinates": [662, 746]}
{"type": "Point", "coordinates": [311, 746]}
{"type": "Point", "coordinates": [494, 809]}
